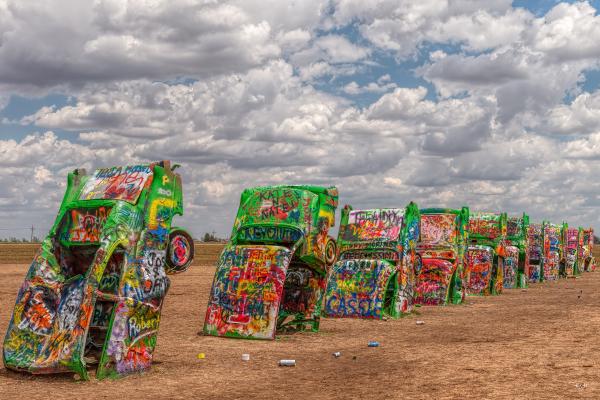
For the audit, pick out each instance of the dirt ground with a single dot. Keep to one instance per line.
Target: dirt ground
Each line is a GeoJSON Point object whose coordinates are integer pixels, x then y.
{"type": "Point", "coordinates": [535, 343]}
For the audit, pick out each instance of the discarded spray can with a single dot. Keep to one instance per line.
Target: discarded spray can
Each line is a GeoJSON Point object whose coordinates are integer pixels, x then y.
{"type": "Point", "coordinates": [287, 363]}
{"type": "Point", "coordinates": [420, 322]}
{"type": "Point", "coordinates": [336, 354]}
{"type": "Point", "coordinates": [373, 344]}
{"type": "Point", "coordinates": [245, 357]}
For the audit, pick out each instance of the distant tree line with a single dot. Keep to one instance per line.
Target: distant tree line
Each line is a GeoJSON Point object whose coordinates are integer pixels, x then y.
{"type": "Point", "coordinates": [211, 237]}
{"type": "Point", "coordinates": [13, 239]}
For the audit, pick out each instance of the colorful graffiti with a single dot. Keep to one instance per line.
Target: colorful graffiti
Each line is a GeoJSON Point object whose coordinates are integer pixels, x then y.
{"type": "Point", "coordinates": [85, 225]}
{"type": "Point", "coordinates": [517, 236]}
{"type": "Point", "coordinates": [487, 253]}
{"type": "Point", "coordinates": [271, 275]}
{"type": "Point", "coordinates": [440, 275]}
{"type": "Point", "coordinates": [535, 252]}
{"type": "Point", "coordinates": [572, 249]}
{"type": "Point", "coordinates": [373, 225]}
{"type": "Point", "coordinates": [510, 267]}
{"type": "Point", "coordinates": [480, 270]}
{"type": "Point", "coordinates": [486, 225]}
{"type": "Point", "coordinates": [553, 242]}
{"type": "Point", "coordinates": [375, 275]}
{"type": "Point", "coordinates": [359, 287]}
{"type": "Point", "coordinates": [587, 260]}
{"type": "Point", "coordinates": [246, 292]}
{"type": "Point", "coordinates": [95, 296]}
{"type": "Point", "coordinates": [438, 229]}
{"type": "Point", "coordinates": [117, 183]}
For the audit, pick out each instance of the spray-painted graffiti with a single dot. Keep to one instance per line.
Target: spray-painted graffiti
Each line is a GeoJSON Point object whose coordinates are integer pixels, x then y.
{"type": "Point", "coordinates": [510, 265]}
{"type": "Point", "coordinates": [434, 281]}
{"type": "Point", "coordinates": [375, 274]}
{"type": "Point", "coordinates": [284, 223]}
{"type": "Point", "coordinates": [572, 249]}
{"type": "Point", "coordinates": [86, 225]}
{"type": "Point", "coordinates": [485, 225]}
{"type": "Point", "coordinates": [438, 229]}
{"type": "Point", "coordinates": [247, 291]}
{"type": "Point", "coordinates": [358, 288]}
{"type": "Point", "coordinates": [480, 268]}
{"type": "Point", "coordinates": [96, 294]}
{"type": "Point", "coordinates": [117, 183]}
{"type": "Point", "coordinates": [552, 251]}
{"type": "Point", "coordinates": [370, 225]}
{"type": "Point", "coordinates": [440, 278]}
{"type": "Point", "coordinates": [535, 250]}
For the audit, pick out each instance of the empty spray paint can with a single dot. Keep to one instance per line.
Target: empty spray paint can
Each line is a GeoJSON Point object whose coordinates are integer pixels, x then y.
{"type": "Point", "coordinates": [287, 363]}
{"type": "Point", "coordinates": [245, 357]}
{"type": "Point", "coordinates": [336, 354]}
{"type": "Point", "coordinates": [373, 344]}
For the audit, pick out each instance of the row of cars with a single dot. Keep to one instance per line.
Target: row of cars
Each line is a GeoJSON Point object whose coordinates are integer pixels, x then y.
{"type": "Point", "coordinates": [92, 298]}
{"type": "Point", "coordinates": [277, 272]}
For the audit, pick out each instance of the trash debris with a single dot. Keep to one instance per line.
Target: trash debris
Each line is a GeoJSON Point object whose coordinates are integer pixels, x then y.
{"type": "Point", "coordinates": [245, 357]}
{"type": "Point", "coordinates": [336, 354]}
{"type": "Point", "coordinates": [373, 344]}
{"type": "Point", "coordinates": [201, 356]}
{"type": "Point", "coordinates": [580, 385]}
{"type": "Point", "coordinates": [287, 363]}
{"type": "Point", "coordinates": [419, 322]}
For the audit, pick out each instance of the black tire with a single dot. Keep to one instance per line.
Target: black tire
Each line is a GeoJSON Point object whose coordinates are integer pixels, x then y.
{"type": "Point", "coordinates": [180, 252]}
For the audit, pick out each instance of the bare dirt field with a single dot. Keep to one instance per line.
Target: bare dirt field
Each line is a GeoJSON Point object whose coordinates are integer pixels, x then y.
{"type": "Point", "coordinates": [536, 343]}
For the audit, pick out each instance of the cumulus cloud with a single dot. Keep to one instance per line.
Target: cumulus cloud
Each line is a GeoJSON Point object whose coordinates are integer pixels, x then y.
{"type": "Point", "coordinates": [246, 93]}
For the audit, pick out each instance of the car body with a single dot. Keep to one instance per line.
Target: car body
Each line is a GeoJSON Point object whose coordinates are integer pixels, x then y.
{"type": "Point", "coordinates": [573, 249]}
{"type": "Point", "coordinates": [374, 276]}
{"type": "Point", "coordinates": [95, 290]}
{"type": "Point", "coordinates": [441, 253]}
{"type": "Point", "coordinates": [271, 276]}
{"type": "Point", "coordinates": [535, 252]}
{"type": "Point", "coordinates": [486, 254]}
{"type": "Point", "coordinates": [518, 238]}
{"type": "Point", "coordinates": [554, 250]}
{"type": "Point", "coordinates": [586, 255]}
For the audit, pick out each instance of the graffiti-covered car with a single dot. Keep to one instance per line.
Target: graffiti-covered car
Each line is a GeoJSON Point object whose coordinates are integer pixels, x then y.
{"type": "Point", "coordinates": [573, 248]}
{"type": "Point", "coordinates": [486, 270]}
{"type": "Point", "coordinates": [535, 252]}
{"type": "Point", "coordinates": [441, 256]}
{"type": "Point", "coordinates": [517, 240]}
{"type": "Point", "coordinates": [272, 274]}
{"type": "Point", "coordinates": [94, 292]}
{"type": "Point", "coordinates": [586, 247]}
{"type": "Point", "coordinates": [374, 276]}
{"type": "Point", "coordinates": [553, 258]}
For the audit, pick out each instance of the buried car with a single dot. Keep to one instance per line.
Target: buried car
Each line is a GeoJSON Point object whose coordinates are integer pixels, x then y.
{"type": "Point", "coordinates": [572, 249]}
{"type": "Point", "coordinates": [535, 251]}
{"type": "Point", "coordinates": [517, 241]}
{"type": "Point", "coordinates": [586, 256]}
{"type": "Point", "coordinates": [486, 253]}
{"type": "Point", "coordinates": [271, 275]}
{"type": "Point", "coordinates": [374, 276]}
{"type": "Point", "coordinates": [553, 257]}
{"type": "Point", "coordinates": [441, 256]}
{"type": "Point", "coordinates": [94, 292]}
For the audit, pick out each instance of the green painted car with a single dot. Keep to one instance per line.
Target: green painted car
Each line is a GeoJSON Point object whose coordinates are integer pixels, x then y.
{"type": "Point", "coordinates": [93, 295]}
{"type": "Point", "coordinates": [554, 250]}
{"type": "Point", "coordinates": [374, 276]}
{"type": "Point", "coordinates": [517, 237]}
{"type": "Point", "coordinates": [441, 262]}
{"type": "Point", "coordinates": [486, 253]}
{"type": "Point", "coordinates": [271, 276]}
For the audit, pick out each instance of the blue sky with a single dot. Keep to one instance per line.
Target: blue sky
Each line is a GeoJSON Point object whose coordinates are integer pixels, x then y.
{"type": "Point", "coordinates": [492, 104]}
